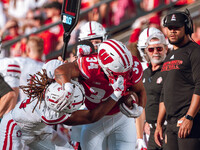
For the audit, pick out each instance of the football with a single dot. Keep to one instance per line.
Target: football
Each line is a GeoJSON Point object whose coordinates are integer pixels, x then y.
{"type": "Point", "coordinates": [129, 99]}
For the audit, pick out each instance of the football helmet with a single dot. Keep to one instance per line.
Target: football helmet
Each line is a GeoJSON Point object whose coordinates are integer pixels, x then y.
{"type": "Point", "coordinates": [114, 58]}
{"type": "Point", "coordinates": [55, 90]}
{"type": "Point", "coordinates": [92, 30]}
{"type": "Point", "coordinates": [50, 67]}
{"type": "Point", "coordinates": [143, 39]}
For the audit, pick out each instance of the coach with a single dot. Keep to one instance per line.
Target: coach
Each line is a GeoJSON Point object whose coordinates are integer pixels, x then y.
{"type": "Point", "coordinates": [156, 50]}
{"type": "Point", "coordinates": [181, 90]}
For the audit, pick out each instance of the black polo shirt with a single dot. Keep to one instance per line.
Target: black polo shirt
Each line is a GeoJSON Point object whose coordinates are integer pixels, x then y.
{"type": "Point", "coordinates": [182, 80]}
{"type": "Point", "coordinates": [153, 83]}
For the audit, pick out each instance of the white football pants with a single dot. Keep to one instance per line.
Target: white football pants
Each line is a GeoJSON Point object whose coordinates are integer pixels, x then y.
{"type": "Point", "coordinates": [114, 132]}
{"type": "Point", "coordinates": [10, 134]}
{"type": "Point", "coordinates": [12, 137]}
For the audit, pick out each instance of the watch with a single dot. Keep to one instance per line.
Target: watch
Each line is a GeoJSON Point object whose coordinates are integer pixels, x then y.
{"type": "Point", "coordinates": [189, 117]}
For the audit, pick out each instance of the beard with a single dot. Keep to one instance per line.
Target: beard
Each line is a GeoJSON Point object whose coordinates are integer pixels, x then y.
{"type": "Point", "coordinates": [177, 41]}
{"type": "Point", "coordinates": [158, 61]}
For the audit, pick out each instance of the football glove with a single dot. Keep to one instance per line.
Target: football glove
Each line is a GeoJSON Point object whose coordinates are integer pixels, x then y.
{"type": "Point", "coordinates": [83, 50]}
{"type": "Point", "coordinates": [118, 87]}
{"type": "Point", "coordinates": [141, 145]}
{"type": "Point", "coordinates": [64, 100]}
{"type": "Point", "coordinates": [131, 113]}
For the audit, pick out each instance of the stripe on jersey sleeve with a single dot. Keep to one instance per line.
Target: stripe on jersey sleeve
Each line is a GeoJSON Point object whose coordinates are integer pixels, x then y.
{"type": "Point", "coordinates": [13, 68]}
{"type": "Point", "coordinates": [82, 67]}
{"type": "Point", "coordinates": [55, 121]}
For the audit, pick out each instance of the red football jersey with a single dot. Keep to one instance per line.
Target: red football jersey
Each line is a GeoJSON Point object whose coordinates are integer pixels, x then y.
{"type": "Point", "coordinates": [96, 84]}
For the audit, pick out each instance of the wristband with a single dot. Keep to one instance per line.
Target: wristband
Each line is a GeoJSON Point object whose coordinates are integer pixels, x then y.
{"type": "Point", "coordinates": [68, 86]}
{"type": "Point", "coordinates": [114, 97]}
{"type": "Point", "coordinates": [189, 117]}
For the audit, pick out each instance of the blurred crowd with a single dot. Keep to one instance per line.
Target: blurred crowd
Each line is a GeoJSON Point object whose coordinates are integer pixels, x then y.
{"type": "Point", "coordinates": [22, 17]}
{"type": "Point", "coordinates": [155, 20]}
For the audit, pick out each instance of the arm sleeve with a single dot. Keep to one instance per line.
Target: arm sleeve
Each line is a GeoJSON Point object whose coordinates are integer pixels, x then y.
{"type": "Point", "coordinates": [83, 67]}
{"type": "Point", "coordinates": [162, 96]}
{"type": "Point", "coordinates": [12, 73]}
{"type": "Point", "coordinates": [137, 70]}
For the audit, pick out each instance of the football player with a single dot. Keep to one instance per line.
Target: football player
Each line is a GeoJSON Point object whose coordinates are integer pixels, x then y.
{"type": "Point", "coordinates": [95, 33]}
{"type": "Point", "coordinates": [91, 32]}
{"type": "Point", "coordinates": [9, 82]}
{"type": "Point", "coordinates": [106, 77]}
{"type": "Point", "coordinates": [26, 123]}
{"type": "Point", "coordinates": [34, 52]}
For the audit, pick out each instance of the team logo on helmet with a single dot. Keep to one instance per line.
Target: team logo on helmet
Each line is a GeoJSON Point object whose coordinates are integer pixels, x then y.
{"type": "Point", "coordinates": [105, 57]}
{"type": "Point", "coordinates": [114, 58]}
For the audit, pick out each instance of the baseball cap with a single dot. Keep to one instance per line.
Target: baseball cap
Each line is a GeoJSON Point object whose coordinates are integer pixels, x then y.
{"type": "Point", "coordinates": [176, 19]}
{"type": "Point", "coordinates": [160, 36]}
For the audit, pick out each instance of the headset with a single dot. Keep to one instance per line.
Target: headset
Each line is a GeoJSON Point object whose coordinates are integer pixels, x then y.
{"type": "Point", "coordinates": [188, 22]}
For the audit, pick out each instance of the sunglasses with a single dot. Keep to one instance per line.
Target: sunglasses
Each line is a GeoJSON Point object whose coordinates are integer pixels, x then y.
{"type": "Point", "coordinates": [151, 49]}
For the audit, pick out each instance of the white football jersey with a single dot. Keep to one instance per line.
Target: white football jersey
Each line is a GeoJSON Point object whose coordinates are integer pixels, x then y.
{"type": "Point", "coordinates": [10, 71]}
{"type": "Point", "coordinates": [35, 121]}
{"type": "Point", "coordinates": [28, 66]}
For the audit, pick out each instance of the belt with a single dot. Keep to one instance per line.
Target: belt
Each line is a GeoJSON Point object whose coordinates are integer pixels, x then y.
{"type": "Point", "coordinates": [153, 125]}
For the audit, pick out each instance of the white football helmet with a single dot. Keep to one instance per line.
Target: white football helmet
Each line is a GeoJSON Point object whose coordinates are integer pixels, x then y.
{"type": "Point", "coordinates": [92, 30]}
{"type": "Point", "coordinates": [114, 58]}
{"type": "Point", "coordinates": [54, 91]}
{"type": "Point", "coordinates": [50, 67]}
{"type": "Point", "coordinates": [143, 39]}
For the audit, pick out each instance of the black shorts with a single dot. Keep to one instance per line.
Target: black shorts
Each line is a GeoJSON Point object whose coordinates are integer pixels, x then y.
{"type": "Point", "coordinates": [4, 87]}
